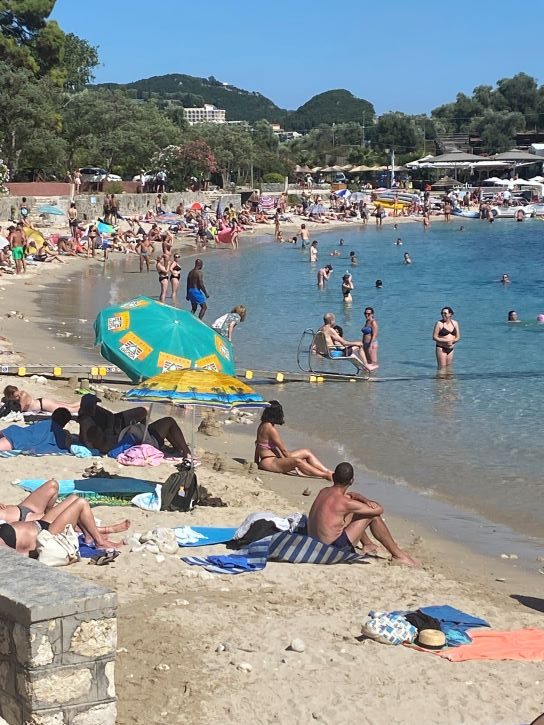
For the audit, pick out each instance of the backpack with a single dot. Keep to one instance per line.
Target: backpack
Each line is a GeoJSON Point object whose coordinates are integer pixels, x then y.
{"type": "Point", "coordinates": [171, 497]}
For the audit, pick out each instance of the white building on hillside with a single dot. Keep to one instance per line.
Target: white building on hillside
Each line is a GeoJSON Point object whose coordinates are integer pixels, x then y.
{"type": "Point", "coordinates": [206, 114]}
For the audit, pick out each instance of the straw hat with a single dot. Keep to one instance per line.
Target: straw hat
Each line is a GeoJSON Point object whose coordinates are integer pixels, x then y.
{"type": "Point", "coordinates": [431, 639]}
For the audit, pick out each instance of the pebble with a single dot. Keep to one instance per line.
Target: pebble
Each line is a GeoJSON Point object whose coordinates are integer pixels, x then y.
{"type": "Point", "coordinates": [162, 667]}
{"type": "Point", "coordinates": [307, 492]}
{"type": "Point", "coordinates": [220, 648]}
{"type": "Point", "coordinates": [122, 649]}
{"type": "Point", "coordinates": [500, 579]}
{"type": "Point", "coordinates": [297, 645]}
{"type": "Point", "coordinates": [245, 667]}
{"type": "Point", "coordinates": [181, 603]}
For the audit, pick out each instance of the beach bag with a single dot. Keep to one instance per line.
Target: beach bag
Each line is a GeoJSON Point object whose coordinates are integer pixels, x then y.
{"type": "Point", "coordinates": [172, 498]}
{"type": "Point", "coordinates": [388, 628]}
{"type": "Point", "coordinates": [58, 549]}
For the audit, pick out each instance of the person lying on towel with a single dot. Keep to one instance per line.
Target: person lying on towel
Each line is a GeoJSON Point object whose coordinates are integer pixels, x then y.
{"type": "Point", "coordinates": [342, 519]}
{"type": "Point", "coordinates": [47, 436]}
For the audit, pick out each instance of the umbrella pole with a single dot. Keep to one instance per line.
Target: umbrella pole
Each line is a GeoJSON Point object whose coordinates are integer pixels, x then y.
{"type": "Point", "coordinates": [148, 420]}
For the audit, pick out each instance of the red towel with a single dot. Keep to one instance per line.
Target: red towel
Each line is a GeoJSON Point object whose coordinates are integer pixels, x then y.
{"type": "Point", "coordinates": [489, 644]}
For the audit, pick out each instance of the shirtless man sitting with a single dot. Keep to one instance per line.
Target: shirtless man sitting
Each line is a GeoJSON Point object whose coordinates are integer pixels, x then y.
{"type": "Point", "coordinates": [338, 347]}
{"type": "Point", "coordinates": [37, 405]}
{"type": "Point", "coordinates": [341, 519]}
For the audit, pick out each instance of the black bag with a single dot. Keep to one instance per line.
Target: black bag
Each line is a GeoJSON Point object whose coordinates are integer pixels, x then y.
{"type": "Point", "coordinates": [171, 497]}
{"type": "Point", "coordinates": [9, 406]}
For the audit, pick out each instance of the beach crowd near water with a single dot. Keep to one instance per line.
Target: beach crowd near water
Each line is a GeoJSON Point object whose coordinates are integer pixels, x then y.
{"type": "Point", "coordinates": [314, 612]}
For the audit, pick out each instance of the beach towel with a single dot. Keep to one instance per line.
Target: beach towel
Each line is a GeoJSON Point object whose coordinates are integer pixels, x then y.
{"type": "Point", "coordinates": [521, 644]}
{"type": "Point", "coordinates": [203, 535]}
{"type": "Point", "coordinates": [285, 546]}
{"type": "Point", "coordinates": [113, 486]}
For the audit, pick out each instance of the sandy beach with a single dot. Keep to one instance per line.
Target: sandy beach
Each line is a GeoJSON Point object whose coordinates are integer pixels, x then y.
{"type": "Point", "coordinates": [196, 647]}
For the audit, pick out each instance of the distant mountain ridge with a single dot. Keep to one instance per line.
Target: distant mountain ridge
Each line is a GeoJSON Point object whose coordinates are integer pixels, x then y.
{"type": "Point", "coordinates": [336, 106]}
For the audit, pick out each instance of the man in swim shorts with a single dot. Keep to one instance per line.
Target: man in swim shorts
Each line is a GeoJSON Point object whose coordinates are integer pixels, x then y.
{"type": "Point", "coordinates": [17, 241]}
{"type": "Point", "coordinates": [196, 291]}
{"type": "Point", "coordinates": [342, 519]}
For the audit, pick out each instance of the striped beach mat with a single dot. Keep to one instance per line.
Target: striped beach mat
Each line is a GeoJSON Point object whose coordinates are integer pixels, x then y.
{"type": "Point", "coordinates": [285, 546]}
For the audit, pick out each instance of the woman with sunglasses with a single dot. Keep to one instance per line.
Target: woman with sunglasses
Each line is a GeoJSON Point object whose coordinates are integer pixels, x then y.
{"type": "Point", "coordinates": [446, 334]}
{"type": "Point", "coordinates": [370, 336]}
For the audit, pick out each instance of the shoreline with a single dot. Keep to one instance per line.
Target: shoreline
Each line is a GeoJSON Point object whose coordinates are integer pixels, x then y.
{"type": "Point", "coordinates": [491, 539]}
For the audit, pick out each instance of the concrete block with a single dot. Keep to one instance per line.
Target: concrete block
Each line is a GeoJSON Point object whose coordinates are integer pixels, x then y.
{"type": "Point", "coordinates": [59, 686]}
{"type": "Point", "coordinates": [38, 645]}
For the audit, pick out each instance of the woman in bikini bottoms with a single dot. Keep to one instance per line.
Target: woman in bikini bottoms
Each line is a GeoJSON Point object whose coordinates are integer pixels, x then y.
{"type": "Point", "coordinates": [163, 268]}
{"type": "Point", "coordinates": [23, 535]}
{"type": "Point", "coordinates": [37, 405]}
{"type": "Point", "coordinates": [272, 455]}
{"type": "Point", "coordinates": [175, 274]}
{"type": "Point", "coordinates": [446, 334]}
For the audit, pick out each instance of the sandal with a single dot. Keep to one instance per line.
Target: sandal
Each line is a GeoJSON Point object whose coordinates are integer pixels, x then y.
{"type": "Point", "coordinates": [104, 559]}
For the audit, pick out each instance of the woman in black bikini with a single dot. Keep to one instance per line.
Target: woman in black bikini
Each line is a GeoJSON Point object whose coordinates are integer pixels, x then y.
{"type": "Point", "coordinates": [446, 334]}
{"type": "Point", "coordinates": [272, 455]}
{"type": "Point", "coordinates": [163, 268]}
{"type": "Point", "coordinates": [23, 535]}
{"type": "Point", "coordinates": [175, 274]}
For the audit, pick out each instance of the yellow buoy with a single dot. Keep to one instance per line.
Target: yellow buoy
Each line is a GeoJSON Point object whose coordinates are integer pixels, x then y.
{"type": "Point", "coordinates": [249, 375]}
{"type": "Point", "coordinates": [21, 372]}
{"type": "Point", "coordinates": [313, 379]}
{"type": "Point", "coordinates": [280, 377]}
{"type": "Point", "coordinates": [102, 372]}
{"type": "Point", "coordinates": [57, 372]}
{"type": "Point", "coordinates": [94, 372]}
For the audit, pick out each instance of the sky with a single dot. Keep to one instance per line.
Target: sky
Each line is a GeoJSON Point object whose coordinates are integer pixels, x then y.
{"type": "Point", "coordinates": [402, 56]}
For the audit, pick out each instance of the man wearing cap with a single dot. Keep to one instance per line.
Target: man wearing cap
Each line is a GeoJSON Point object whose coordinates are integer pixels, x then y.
{"type": "Point", "coordinates": [341, 518]}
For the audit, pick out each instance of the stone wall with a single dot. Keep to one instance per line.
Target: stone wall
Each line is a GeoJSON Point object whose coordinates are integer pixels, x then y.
{"type": "Point", "coordinates": [90, 205]}
{"type": "Point", "coordinates": [58, 637]}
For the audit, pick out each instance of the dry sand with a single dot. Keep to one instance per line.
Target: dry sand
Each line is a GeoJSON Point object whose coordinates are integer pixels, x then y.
{"type": "Point", "coordinates": [172, 617]}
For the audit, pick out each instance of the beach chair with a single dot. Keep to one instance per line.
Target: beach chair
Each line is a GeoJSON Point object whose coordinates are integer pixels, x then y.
{"type": "Point", "coordinates": [313, 347]}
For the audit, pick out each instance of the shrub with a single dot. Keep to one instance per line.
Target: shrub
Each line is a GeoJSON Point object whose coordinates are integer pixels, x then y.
{"type": "Point", "coordinates": [113, 187]}
{"type": "Point", "coordinates": [273, 178]}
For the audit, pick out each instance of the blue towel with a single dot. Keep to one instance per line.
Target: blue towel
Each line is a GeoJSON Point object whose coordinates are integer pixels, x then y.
{"type": "Point", "coordinates": [212, 535]}
{"type": "Point", "coordinates": [454, 618]}
{"type": "Point", "coordinates": [100, 486]}
{"type": "Point", "coordinates": [233, 561]}
{"type": "Point", "coordinates": [86, 551]}
{"type": "Point", "coordinates": [285, 546]}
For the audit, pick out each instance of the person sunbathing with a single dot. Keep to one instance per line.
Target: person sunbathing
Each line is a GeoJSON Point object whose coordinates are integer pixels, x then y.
{"type": "Point", "coordinates": [342, 519]}
{"type": "Point", "coordinates": [37, 405]}
{"type": "Point", "coordinates": [23, 535]}
{"type": "Point", "coordinates": [46, 436]}
{"type": "Point", "coordinates": [40, 502]}
{"type": "Point", "coordinates": [272, 455]}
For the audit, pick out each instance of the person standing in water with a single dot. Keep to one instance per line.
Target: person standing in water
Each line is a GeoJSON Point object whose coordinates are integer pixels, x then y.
{"type": "Point", "coordinates": [304, 235]}
{"type": "Point", "coordinates": [347, 286]}
{"type": "Point", "coordinates": [323, 275]}
{"type": "Point", "coordinates": [446, 334]}
{"type": "Point", "coordinates": [163, 269]}
{"type": "Point", "coordinates": [196, 291]}
{"type": "Point", "coordinates": [313, 251]}
{"type": "Point", "coordinates": [175, 275]}
{"type": "Point", "coordinates": [370, 336]}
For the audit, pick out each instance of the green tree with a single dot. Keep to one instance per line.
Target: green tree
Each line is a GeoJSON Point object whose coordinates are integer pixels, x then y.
{"type": "Point", "coordinates": [521, 95]}
{"type": "Point", "coordinates": [79, 60]}
{"type": "Point", "coordinates": [106, 128]}
{"type": "Point", "coordinates": [29, 120]}
{"type": "Point", "coordinates": [397, 131]}
{"type": "Point", "coordinates": [498, 129]}
{"type": "Point", "coordinates": [232, 147]}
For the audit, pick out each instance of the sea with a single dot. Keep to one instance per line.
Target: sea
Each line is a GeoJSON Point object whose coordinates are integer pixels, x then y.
{"type": "Point", "coordinates": [465, 447]}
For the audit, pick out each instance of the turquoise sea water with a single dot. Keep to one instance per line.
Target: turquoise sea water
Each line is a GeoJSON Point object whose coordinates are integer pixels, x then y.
{"type": "Point", "coordinates": [474, 438]}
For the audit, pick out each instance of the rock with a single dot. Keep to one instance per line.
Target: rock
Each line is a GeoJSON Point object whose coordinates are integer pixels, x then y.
{"type": "Point", "coordinates": [244, 667]}
{"type": "Point", "coordinates": [297, 645]}
{"type": "Point", "coordinates": [504, 556]}
{"type": "Point", "coordinates": [162, 667]}
{"type": "Point", "coordinates": [228, 647]}
{"type": "Point", "coordinates": [514, 556]}
{"type": "Point", "coordinates": [220, 648]}
{"type": "Point", "coordinates": [307, 492]}
{"type": "Point", "coordinates": [500, 579]}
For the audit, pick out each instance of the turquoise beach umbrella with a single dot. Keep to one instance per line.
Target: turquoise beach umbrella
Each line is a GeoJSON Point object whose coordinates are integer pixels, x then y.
{"type": "Point", "coordinates": [144, 337]}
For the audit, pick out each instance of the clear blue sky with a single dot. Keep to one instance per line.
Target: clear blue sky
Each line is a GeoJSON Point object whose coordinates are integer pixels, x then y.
{"type": "Point", "coordinates": [406, 56]}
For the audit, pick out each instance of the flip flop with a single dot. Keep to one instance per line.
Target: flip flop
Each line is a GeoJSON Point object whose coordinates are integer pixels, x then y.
{"type": "Point", "coordinates": [104, 559]}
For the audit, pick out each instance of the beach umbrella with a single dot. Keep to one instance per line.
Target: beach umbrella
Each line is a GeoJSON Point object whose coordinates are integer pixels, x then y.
{"type": "Point", "coordinates": [267, 202]}
{"type": "Point", "coordinates": [205, 388]}
{"type": "Point", "coordinates": [196, 206]}
{"type": "Point", "coordinates": [49, 209]}
{"type": "Point", "coordinates": [144, 337]}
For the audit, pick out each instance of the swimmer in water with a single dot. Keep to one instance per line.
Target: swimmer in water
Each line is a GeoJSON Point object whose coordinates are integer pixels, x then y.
{"type": "Point", "coordinates": [334, 253]}
{"type": "Point", "coordinates": [341, 243]}
{"type": "Point", "coordinates": [378, 284]}
{"type": "Point", "coordinates": [347, 286]}
{"type": "Point", "coordinates": [540, 318]}
{"type": "Point", "coordinates": [461, 228]}
{"type": "Point", "coordinates": [398, 242]}
{"type": "Point", "coordinates": [353, 259]}
{"type": "Point", "coordinates": [324, 275]}
{"type": "Point", "coordinates": [513, 316]}
{"type": "Point", "coordinates": [505, 279]}
{"type": "Point", "coordinates": [407, 258]}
